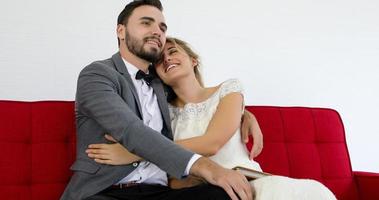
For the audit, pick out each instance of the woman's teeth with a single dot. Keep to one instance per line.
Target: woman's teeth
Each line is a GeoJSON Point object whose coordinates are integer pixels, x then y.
{"type": "Point", "coordinates": [170, 67]}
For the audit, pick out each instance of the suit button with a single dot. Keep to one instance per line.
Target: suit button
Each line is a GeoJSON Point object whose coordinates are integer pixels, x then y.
{"type": "Point", "coordinates": [135, 164]}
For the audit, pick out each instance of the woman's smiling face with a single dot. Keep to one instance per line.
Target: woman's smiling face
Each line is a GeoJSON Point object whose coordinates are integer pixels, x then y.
{"type": "Point", "coordinates": [174, 64]}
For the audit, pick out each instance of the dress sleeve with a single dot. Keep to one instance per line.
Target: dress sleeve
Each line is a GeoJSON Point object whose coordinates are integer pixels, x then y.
{"type": "Point", "coordinates": [230, 86]}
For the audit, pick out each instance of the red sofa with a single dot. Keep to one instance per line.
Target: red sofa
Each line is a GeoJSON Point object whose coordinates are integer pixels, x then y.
{"type": "Point", "coordinates": [38, 146]}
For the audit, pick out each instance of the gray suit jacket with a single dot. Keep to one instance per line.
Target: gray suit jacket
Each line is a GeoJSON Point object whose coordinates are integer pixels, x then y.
{"type": "Point", "coordinates": [107, 102]}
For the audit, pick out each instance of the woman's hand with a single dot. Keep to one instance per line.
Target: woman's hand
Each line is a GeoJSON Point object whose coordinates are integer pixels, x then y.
{"type": "Point", "coordinates": [250, 125]}
{"type": "Point", "coordinates": [111, 154]}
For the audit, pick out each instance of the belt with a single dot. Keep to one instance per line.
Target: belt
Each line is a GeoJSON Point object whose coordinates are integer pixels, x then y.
{"type": "Point", "coordinates": [124, 185]}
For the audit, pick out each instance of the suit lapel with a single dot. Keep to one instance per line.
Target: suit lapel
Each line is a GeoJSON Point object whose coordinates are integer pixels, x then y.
{"type": "Point", "coordinates": [120, 67]}
{"type": "Point", "coordinates": [162, 102]}
{"type": "Point", "coordinates": [157, 86]}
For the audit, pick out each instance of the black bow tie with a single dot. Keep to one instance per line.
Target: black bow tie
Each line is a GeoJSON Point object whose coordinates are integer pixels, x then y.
{"type": "Point", "coordinates": [147, 77]}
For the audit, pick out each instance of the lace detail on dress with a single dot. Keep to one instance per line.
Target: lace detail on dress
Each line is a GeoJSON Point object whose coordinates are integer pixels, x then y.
{"type": "Point", "coordinates": [198, 110]}
{"type": "Point", "coordinates": [190, 110]}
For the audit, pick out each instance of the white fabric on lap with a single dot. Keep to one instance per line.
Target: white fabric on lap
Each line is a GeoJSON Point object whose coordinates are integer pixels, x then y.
{"type": "Point", "coordinates": [284, 188]}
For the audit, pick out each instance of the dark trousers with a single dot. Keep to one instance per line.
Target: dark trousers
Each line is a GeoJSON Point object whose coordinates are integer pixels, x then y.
{"type": "Point", "coordinates": [159, 192]}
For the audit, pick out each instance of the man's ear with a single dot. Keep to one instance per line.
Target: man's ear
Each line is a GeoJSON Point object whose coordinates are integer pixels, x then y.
{"type": "Point", "coordinates": [120, 30]}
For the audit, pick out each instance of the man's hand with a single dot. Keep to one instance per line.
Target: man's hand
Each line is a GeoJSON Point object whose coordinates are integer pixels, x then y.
{"type": "Point", "coordinates": [234, 183]}
{"type": "Point", "coordinates": [249, 125]}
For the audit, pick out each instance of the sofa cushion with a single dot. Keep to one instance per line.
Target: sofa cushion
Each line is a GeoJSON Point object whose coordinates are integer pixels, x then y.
{"type": "Point", "coordinates": [306, 143]}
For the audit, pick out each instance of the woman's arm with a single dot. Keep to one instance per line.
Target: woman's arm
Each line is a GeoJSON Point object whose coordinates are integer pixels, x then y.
{"type": "Point", "coordinates": [221, 128]}
{"type": "Point", "coordinates": [111, 154]}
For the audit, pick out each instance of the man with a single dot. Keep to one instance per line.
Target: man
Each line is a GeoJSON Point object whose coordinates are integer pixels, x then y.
{"type": "Point", "coordinates": [115, 97]}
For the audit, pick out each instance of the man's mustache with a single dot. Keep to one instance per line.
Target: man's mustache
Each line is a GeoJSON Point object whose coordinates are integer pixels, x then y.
{"type": "Point", "coordinates": [153, 38]}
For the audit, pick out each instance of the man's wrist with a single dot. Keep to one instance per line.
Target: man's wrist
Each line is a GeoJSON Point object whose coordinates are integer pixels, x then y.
{"type": "Point", "coordinates": [203, 168]}
{"type": "Point", "coordinates": [194, 158]}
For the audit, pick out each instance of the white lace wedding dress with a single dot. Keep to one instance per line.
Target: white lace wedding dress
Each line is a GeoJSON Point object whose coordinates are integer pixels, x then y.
{"type": "Point", "coordinates": [192, 120]}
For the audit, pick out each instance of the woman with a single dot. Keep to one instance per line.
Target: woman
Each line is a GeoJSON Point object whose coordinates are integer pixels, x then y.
{"type": "Point", "coordinates": [206, 120]}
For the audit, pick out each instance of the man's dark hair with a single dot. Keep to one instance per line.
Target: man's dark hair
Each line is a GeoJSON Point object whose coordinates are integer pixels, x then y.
{"type": "Point", "coordinates": [123, 17]}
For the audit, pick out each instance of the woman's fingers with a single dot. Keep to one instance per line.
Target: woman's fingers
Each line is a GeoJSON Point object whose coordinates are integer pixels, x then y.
{"type": "Point", "coordinates": [110, 138]}
{"type": "Point", "coordinates": [245, 127]}
{"type": "Point", "coordinates": [97, 151]}
{"type": "Point", "coordinates": [98, 146]}
{"type": "Point", "coordinates": [98, 156]}
{"type": "Point", "coordinates": [101, 161]}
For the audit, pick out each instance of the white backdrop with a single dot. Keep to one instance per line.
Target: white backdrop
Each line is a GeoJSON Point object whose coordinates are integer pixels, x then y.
{"type": "Point", "coordinates": [288, 53]}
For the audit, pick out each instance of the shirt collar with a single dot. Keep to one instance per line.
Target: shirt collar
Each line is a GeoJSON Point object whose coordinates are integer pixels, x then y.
{"type": "Point", "coordinates": [132, 69]}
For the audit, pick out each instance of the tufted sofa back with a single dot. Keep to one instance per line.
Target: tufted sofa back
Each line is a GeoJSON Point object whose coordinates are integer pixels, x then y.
{"type": "Point", "coordinates": [37, 141]}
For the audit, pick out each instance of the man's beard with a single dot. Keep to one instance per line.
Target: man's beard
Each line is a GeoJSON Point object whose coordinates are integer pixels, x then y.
{"type": "Point", "coordinates": [136, 47]}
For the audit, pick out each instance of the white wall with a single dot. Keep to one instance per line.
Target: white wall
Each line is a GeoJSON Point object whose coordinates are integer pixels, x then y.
{"type": "Point", "coordinates": [292, 52]}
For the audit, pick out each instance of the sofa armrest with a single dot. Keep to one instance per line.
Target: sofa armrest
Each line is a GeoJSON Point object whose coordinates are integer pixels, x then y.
{"type": "Point", "coordinates": [368, 184]}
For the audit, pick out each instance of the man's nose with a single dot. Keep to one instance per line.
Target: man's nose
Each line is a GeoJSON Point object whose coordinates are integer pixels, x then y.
{"type": "Point", "coordinates": [157, 31]}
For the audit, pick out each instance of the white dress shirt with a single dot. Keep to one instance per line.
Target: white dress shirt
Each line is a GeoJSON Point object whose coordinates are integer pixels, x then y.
{"type": "Point", "coordinates": [148, 172]}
